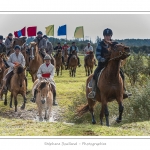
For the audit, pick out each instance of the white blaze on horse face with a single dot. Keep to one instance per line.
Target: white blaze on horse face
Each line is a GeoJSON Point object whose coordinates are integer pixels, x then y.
{"type": "Point", "coordinates": [32, 55]}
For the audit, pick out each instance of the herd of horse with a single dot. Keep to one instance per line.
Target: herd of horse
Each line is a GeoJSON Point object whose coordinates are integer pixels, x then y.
{"type": "Point", "coordinates": [109, 83]}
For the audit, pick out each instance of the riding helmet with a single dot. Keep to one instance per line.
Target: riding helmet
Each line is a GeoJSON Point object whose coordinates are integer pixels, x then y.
{"type": "Point", "coordinates": [1, 37]}
{"type": "Point", "coordinates": [45, 36]}
{"type": "Point", "coordinates": [10, 34]}
{"type": "Point", "coordinates": [39, 32]}
{"type": "Point", "coordinates": [17, 47]}
{"type": "Point", "coordinates": [73, 42]}
{"type": "Point", "coordinates": [107, 32]}
{"type": "Point", "coordinates": [47, 57]}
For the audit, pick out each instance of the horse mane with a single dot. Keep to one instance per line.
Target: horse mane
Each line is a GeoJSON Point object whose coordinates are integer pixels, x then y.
{"type": "Point", "coordinates": [19, 70]}
{"type": "Point", "coordinates": [42, 85]}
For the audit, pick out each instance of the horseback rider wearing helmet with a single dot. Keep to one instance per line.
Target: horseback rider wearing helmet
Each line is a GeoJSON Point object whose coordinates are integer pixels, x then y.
{"type": "Point", "coordinates": [14, 60]}
{"type": "Point", "coordinates": [101, 52]}
{"type": "Point", "coordinates": [8, 43]}
{"type": "Point", "coordinates": [3, 50]}
{"type": "Point", "coordinates": [41, 42]}
{"type": "Point", "coordinates": [46, 71]}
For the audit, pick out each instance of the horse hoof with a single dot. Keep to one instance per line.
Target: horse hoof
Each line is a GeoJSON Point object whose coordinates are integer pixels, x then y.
{"type": "Point", "coordinates": [22, 107]}
{"type": "Point", "coordinates": [117, 120]}
{"type": "Point", "coordinates": [10, 106]}
{"type": "Point", "coordinates": [93, 122]}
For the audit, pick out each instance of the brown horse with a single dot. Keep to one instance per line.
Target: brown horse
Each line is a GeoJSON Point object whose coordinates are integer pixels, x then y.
{"type": "Point", "coordinates": [17, 86]}
{"type": "Point", "coordinates": [73, 62]}
{"type": "Point", "coordinates": [110, 85]}
{"type": "Point", "coordinates": [65, 52]}
{"type": "Point", "coordinates": [44, 98]}
{"type": "Point", "coordinates": [16, 41]}
{"type": "Point", "coordinates": [2, 68]}
{"type": "Point", "coordinates": [89, 63]}
{"type": "Point", "coordinates": [58, 58]}
{"type": "Point", "coordinates": [35, 60]}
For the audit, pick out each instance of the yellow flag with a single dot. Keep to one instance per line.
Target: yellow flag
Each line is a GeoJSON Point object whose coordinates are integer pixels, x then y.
{"type": "Point", "coordinates": [50, 30]}
{"type": "Point", "coordinates": [79, 33]}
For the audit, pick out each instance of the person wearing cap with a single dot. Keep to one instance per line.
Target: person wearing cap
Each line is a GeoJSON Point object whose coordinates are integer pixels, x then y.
{"type": "Point", "coordinates": [8, 42]}
{"type": "Point", "coordinates": [70, 49]}
{"type": "Point", "coordinates": [46, 71]}
{"type": "Point", "coordinates": [101, 51]}
{"type": "Point", "coordinates": [41, 42]}
{"type": "Point", "coordinates": [14, 60]}
{"type": "Point", "coordinates": [57, 48]}
{"type": "Point", "coordinates": [49, 46]}
{"type": "Point", "coordinates": [87, 50]}
{"type": "Point", "coordinates": [3, 50]}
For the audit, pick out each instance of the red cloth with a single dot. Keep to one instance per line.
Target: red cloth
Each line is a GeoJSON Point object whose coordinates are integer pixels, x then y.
{"type": "Point", "coordinates": [31, 31]}
{"type": "Point", "coordinates": [23, 31]}
{"type": "Point", "coordinates": [16, 33]}
{"type": "Point", "coordinates": [46, 75]}
{"type": "Point", "coordinates": [47, 65]}
{"type": "Point", "coordinates": [65, 47]}
{"type": "Point", "coordinates": [87, 52]}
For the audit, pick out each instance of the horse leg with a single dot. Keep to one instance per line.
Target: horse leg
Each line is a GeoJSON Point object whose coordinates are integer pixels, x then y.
{"type": "Point", "coordinates": [88, 71]}
{"type": "Point", "coordinates": [40, 114]}
{"type": "Point", "coordinates": [5, 101]}
{"type": "Point", "coordinates": [15, 101]}
{"type": "Point", "coordinates": [11, 97]}
{"type": "Point", "coordinates": [45, 114]}
{"type": "Point", "coordinates": [119, 119]}
{"type": "Point", "coordinates": [24, 101]}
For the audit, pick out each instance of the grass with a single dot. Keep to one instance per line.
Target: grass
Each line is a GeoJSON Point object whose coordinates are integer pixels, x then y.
{"type": "Point", "coordinates": [68, 89]}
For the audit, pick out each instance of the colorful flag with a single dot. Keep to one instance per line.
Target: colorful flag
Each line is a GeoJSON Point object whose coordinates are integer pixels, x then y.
{"type": "Point", "coordinates": [31, 31]}
{"type": "Point", "coordinates": [50, 30]}
{"type": "Point", "coordinates": [61, 30]}
{"type": "Point", "coordinates": [79, 33]}
{"type": "Point", "coordinates": [21, 32]}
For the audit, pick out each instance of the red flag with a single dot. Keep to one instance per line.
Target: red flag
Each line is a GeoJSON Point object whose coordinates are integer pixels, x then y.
{"type": "Point", "coordinates": [23, 31]}
{"type": "Point", "coordinates": [16, 33]}
{"type": "Point", "coordinates": [31, 31]}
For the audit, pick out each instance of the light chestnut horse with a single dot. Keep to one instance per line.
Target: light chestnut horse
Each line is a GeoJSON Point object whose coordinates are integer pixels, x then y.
{"type": "Point", "coordinates": [44, 98]}
{"type": "Point", "coordinates": [89, 63]}
{"type": "Point", "coordinates": [58, 58]}
{"type": "Point", "coordinates": [73, 62]}
{"type": "Point", "coordinates": [110, 85]}
{"type": "Point", "coordinates": [17, 86]}
{"type": "Point", "coordinates": [35, 60]}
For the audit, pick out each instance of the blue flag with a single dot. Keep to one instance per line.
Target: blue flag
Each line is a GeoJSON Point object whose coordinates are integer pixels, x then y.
{"type": "Point", "coordinates": [61, 30]}
{"type": "Point", "coordinates": [19, 33]}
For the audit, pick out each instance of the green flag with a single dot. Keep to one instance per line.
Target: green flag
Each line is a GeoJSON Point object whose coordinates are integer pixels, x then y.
{"type": "Point", "coordinates": [50, 30]}
{"type": "Point", "coordinates": [79, 33]}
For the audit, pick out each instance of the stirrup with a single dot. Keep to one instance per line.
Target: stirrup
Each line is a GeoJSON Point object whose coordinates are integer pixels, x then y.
{"type": "Point", "coordinates": [92, 95]}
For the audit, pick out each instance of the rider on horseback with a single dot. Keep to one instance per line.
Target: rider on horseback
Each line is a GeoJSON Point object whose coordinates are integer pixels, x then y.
{"type": "Point", "coordinates": [72, 48]}
{"type": "Point", "coordinates": [41, 43]}
{"type": "Point", "coordinates": [8, 43]}
{"type": "Point", "coordinates": [101, 51]}
{"type": "Point", "coordinates": [59, 48]}
{"type": "Point", "coordinates": [47, 71]}
{"type": "Point", "coordinates": [87, 50]}
{"type": "Point", "coordinates": [3, 50]}
{"type": "Point", "coordinates": [14, 60]}
{"type": "Point", "coordinates": [49, 46]}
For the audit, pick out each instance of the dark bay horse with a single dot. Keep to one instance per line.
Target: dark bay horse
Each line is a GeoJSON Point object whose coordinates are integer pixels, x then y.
{"type": "Point", "coordinates": [35, 60]}
{"type": "Point", "coordinates": [17, 86]}
{"type": "Point", "coordinates": [58, 58]}
{"type": "Point", "coordinates": [73, 63]}
{"type": "Point", "coordinates": [89, 63]}
{"type": "Point", "coordinates": [110, 85]}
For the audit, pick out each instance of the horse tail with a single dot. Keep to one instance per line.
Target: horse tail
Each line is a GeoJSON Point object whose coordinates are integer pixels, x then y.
{"type": "Point", "coordinates": [83, 110]}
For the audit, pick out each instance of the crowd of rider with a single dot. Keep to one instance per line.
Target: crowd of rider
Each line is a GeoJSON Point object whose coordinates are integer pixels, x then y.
{"type": "Point", "coordinates": [45, 47]}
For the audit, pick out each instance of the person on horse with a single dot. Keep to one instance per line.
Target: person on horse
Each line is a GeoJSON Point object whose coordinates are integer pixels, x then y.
{"type": "Point", "coordinates": [87, 50]}
{"type": "Point", "coordinates": [57, 49]}
{"type": "Point", "coordinates": [8, 43]}
{"type": "Point", "coordinates": [70, 49]}
{"type": "Point", "coordinates": [41, 43]}
{"type": "Point", "coordinates": [3, 50]}
{"type": "Point", "coordinates": [101, 51]}
{"type": "Point", "coordinates": [15, 59]}
{"type": "Point", "coordinates": [46, 71]}
{"type": "Point", "coordinates": [65, 46]}
{"type": "Point", "coordinates": [49, 46]}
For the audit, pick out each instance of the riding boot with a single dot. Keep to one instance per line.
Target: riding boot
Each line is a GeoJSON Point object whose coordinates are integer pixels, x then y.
{"type": "Point", "coordinates": [79, 62]}
{"type": "Point", "coordinates": [34, 97]}
{"type": "Point", "coordinates": [92, 94]}
{"type": "Point", "coordinates": [6, 65]}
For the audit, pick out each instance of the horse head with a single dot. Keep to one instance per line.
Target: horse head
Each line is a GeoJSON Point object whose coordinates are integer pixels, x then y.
{"type": "Point", "coordinates": [43, 89]}
{"type": "Point", "coordinates": [32, 50]}
{"type": "Point", "coordinates": [20, 71]}
{"type": "Point", "coordinates": [59, 53]}
{"type": "Point", "coordinates": [18, 41]}
{"type": "Point", "coordinates": [118, 51]}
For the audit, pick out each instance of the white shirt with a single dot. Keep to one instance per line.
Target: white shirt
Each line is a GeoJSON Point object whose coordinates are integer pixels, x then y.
{"type": "Point", "coordinates": [88, 49]}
